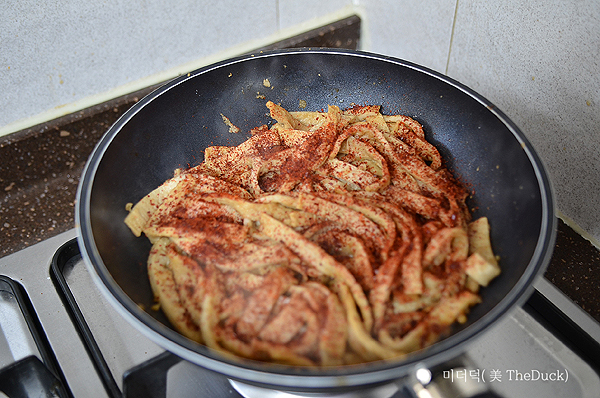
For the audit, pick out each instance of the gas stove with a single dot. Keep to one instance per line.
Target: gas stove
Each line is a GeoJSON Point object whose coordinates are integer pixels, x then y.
{"type": "Point", "coordinates": [60, 338]}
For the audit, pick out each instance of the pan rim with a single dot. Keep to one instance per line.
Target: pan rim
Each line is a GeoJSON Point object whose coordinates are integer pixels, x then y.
{"type": "Point", "coordinates": [287, 376]}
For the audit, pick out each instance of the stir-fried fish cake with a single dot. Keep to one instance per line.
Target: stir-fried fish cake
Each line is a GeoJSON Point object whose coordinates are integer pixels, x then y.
{"type": "Point", "coordinates": [329, 238]}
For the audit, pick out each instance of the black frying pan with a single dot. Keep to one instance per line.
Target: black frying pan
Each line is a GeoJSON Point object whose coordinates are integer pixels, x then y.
{"type": "Point", "coordinates": [171, 127]}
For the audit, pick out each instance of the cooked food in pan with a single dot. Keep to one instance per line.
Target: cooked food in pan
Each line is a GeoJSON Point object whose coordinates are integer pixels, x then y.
{"type": "Point", "coordinates": [329, 238]}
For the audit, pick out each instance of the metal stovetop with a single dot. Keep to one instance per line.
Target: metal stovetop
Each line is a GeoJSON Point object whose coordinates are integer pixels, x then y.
{"type": "Point", "coordinates": [59, 337]}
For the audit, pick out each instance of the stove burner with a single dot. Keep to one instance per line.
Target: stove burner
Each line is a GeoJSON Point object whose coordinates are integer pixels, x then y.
{"type": "Point", "coordinates": [250, 391]}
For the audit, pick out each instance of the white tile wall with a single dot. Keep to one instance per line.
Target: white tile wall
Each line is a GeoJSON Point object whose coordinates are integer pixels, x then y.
{"type": "Point", "coordinates": [294, 12]}
{"type": "Point", "coordinates": [417, 31]}
{"type": "Point", "coordinates": [54, 53]}
{"type": "Point", "coordinates": [538, 61]}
